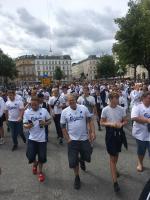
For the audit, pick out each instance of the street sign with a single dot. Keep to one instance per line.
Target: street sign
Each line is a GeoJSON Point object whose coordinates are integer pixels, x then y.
{"type": "Point", "coordinates": [46, 81]}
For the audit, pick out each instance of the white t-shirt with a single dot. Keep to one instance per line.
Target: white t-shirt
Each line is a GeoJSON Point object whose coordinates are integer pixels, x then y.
{"type": "Point", "coordinates": [13, 108]}
{"type": "Point", "coordinates": [91, 100]}
{"type": "Point", "coordinates": [122, 101]}
{"type": "Point", "coordinates": [139, 130]}
{"type": "Point", "coordinates": [60, 102]}
{"type": "Point", "coordinates": [36, 133]}
{"type": "Point", "coordinates": [113, 114]}
{"type": "Point", "coordinates": [70, 91]}
{"type": "Point", "coordinates": [2, 106]}
{"type": "Point", "coordinates": [135, 97]}
{"type": "Point", "coordinates": [17, 97]}
{"type": "Point", "coordinates": [75, 121]}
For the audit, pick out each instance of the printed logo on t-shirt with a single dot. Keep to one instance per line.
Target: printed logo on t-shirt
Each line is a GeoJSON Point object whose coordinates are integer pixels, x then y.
{"type": "Point", "coordinates": [147, 115]}
{"type": "Point", "coordinates": [13, 107]}
{"type": "Point", "coordinates": [35, 118]}
{"type": "Point", "coordinates": [73, 118]}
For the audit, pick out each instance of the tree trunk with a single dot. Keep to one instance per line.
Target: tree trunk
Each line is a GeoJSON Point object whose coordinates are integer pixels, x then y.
{"type": "Point", "coordinates": [5, 81]}
{"type": "Point", "coordinates": [135, 72]}
{"type": "Point", "coordinates": [148, 73]}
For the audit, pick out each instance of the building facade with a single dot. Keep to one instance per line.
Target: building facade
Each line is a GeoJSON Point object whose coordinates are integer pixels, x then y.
{"type": "Point", "coordinates": [46, 65]}
{"type": "Point", "coordinates": [32, 68]}
{"type": "Point", "coordinates": [87, 66]}
{"type": "Point", "coordinates": [77, 70]}
{"type": "Point", "coordinates": [142, 73]}
{"type": "Point", "coordinates": [25, 66]}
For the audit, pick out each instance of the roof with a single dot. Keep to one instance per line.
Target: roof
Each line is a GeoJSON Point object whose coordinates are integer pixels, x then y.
{"type": "Point", "coordinates": [91, 57]}
{"type": "Point", "coordinates": [53, 57]}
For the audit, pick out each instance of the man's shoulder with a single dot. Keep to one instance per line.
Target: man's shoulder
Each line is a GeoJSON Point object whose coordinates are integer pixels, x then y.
{"type": "Point", "coordinates": [91, 97]}
{"type": "Point", "coordinates": [139, 106]}
{"type": "Point", "coordinates": [106, 108]}
{"type": "Point", "coordinates": [65, 110]}
{"type": "Point", "coordinates": [82, 107]}
{"type": "Point", "coordinates": [119, 107]}
{"type": "Point", "coordinates": [43, 110]}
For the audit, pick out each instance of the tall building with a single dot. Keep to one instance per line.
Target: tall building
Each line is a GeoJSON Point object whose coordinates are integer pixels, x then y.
{"type": "Point", "coordinates": [32, 68]}
{"type": "Point", "coordinates": [142, 73]}
{"type": "Point", "coordinates": [87, 66]}
{"type": "Point", "coordinates": [26, 69]}
{"type": "Point", "coordinates": [46, 65]}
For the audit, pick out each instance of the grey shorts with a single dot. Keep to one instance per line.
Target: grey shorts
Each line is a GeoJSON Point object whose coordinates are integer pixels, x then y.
{"type": "Point", "coordinates": [142, 146]}
{"type": "Point", "coordinates": [79, 147]}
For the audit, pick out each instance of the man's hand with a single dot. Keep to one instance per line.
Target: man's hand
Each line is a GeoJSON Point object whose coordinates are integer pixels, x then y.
{"type": "Point", "coordinates": [19, 119]}
{"type": "Point", "coordinates": [118, 125]}
{"type": "Point", "coordinates": [92, 137]}
{"type": "Point", "coordinates": [28, 126]}
{"type": "Point", "coordinates": [42, 123]}
{"type": "Point", "coordinates": [69, 141]}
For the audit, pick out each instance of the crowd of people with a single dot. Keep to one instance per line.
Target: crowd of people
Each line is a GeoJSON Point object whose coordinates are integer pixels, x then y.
{"type": "Point", "coordinates": [75, 108]}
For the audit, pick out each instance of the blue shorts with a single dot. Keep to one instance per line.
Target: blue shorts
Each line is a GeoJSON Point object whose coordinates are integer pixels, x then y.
{"type": "Point", "coordinates": [36, 149]}
{"type": "Point", "coordinates": [142, 146]}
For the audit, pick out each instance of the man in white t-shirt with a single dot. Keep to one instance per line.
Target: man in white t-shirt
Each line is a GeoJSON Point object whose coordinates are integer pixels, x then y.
{"type": "Point", "coordinates": [14, 114]}
{"type": "Point", "coordinates": [141, 128]}
{"type": "Point", "coordinates": [87, 100]}
{"type": "Point", "coordinates": [114, 118]}
{"type": "Point", "coordinates": [35, 119]}
{"type": "Point", "coordinates": [71, 90]}
{"type": "Point", "coordinates": [135, 96]}
{"type": "Point", "coordinates": [75, 121]}
{"type": "Point", "coordinates": [56, 104]}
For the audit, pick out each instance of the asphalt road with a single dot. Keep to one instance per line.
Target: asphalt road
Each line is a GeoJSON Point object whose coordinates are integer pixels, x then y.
{"type": "Point", "coordinates": [18, 183]}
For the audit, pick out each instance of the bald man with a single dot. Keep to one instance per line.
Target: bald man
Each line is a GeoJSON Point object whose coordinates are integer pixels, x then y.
{"type": "Point", "coordinates": [75, 121]}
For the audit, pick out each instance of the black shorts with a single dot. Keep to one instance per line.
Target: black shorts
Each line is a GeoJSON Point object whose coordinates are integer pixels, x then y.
{"type": "Point", "coordinates": [79, 147]}
{"type": "Point", "coordinates": [113, 144]}
{"type": "Point", "coordinates": [36, 148]}
{"type": "Point", "coordinates": [1, 122]}
{"type": "Point", "coordinates": [4, 117]}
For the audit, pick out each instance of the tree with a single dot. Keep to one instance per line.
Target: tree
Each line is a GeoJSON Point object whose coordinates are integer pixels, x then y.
{"type": "Point", "coordinates": [7, 67]}
{"type": "Point", "coordinates": [145, 7]}
{"type": "Point", "coordinates": [58, 74]}
{"type": "Point", "coordinates": [106, 67]}
{"type": "Point", "coordinates": [82, 76]}
{"type": "Point", "coordinates": [121, 69]}
{"type": "Point", "coordinates": [128, 38]}
{"type": "Point", "coordinates": [133, 37]}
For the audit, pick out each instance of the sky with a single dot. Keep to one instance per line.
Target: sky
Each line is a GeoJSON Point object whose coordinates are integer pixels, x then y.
{"type": "Point", "coordinates": [76, 27]}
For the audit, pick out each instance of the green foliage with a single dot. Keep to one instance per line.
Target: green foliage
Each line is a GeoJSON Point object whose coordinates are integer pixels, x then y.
{"type": "Point", "coordinates": [106, 67]}
{"type": "Point", "coordinates": [133, 37]}
{"type": "Point", "coordinates": [82, 76]}
{"type": "Point", "coordinates": [58, 74]}
{"type": "Point", "coordinates": [7, 67]}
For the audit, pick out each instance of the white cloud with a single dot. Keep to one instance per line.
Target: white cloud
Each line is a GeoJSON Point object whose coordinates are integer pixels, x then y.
{"type": "Point", "coordinates": [78, 28]}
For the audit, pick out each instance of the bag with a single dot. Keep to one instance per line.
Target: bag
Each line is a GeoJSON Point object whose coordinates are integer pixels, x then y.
{"type": "Point", "coordinates": [88, 105]}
